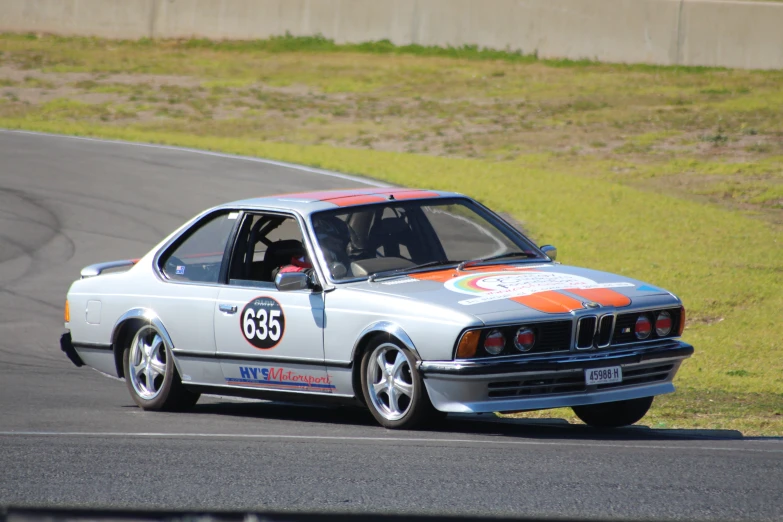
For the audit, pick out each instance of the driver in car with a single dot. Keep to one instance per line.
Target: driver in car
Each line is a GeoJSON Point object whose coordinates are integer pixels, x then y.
{"type": "Point", "coordinates": [333, 238]}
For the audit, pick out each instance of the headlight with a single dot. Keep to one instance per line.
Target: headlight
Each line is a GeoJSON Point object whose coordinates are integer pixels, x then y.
{"type": "Point", "coordinates": [643, 327]}
{"type": "Point", "coordinates": [525, 339]}
{"type": "Point", "coordinates": [663, 324]}
{"type": "Point", "coordinates": [495, 342]}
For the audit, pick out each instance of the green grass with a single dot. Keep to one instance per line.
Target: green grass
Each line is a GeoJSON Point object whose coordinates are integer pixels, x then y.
{"type": "Point", "coordinates": [602, 119]}
{"type": "Point", "coordinates": [637, 183]}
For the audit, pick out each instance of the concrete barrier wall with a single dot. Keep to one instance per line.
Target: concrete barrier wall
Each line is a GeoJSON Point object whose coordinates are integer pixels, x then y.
{"type": "Point", "coordinates": [107, 18]}
{"type": "Point", "coordinates": [732, 34]}
{"type": "Point", "coordinates": [688, 32]}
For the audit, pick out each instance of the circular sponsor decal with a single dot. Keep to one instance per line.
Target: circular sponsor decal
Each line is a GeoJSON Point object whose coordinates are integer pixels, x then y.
{"type": "Point", "coordinates": [516, 283]}
{"type": "Point", "coordinates": [262, 322]}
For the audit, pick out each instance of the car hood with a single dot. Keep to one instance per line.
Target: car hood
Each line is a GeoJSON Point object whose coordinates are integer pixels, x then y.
{"type": "Point", "coordinates": [494, 293]}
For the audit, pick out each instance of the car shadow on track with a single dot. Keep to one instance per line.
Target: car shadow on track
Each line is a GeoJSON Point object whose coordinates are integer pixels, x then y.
{"type": "Point", "coordinates": [456, 425]}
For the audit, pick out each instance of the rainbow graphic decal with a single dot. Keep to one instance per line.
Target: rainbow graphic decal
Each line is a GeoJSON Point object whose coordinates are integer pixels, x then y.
{"type": "Point", "coordinates": [493, 286]}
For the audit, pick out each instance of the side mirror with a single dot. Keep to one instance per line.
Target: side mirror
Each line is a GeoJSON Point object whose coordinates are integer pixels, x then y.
{"type": "Point", "coordinates": [550, 251]}
{"type": "Point", "coordinates": [288, 281]}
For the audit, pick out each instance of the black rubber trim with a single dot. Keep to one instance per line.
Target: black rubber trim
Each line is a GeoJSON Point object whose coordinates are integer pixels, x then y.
{"type": "Point", "coordinates": [585, 361]}
{"type": "Point", "coordinates": [262, 358]}
{"type": "Point", "coordinates": [57, 513]}
{"type": "Point", "coordinates": [67, 346]}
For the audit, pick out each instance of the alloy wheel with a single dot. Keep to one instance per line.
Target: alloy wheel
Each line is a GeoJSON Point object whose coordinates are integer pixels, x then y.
{"type": "Point", "coordinates": [389, 382]}
{"type": "Point", "coordinates": [148, 360]}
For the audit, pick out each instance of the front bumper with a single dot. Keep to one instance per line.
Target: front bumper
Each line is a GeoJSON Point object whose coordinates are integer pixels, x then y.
{"type": "Point", "coordinates": [555, 382]}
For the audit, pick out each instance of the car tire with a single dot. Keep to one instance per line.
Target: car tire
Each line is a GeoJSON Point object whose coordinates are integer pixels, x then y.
{"type": "Point", "coordinates": [150, 374]}
{"type": "Point", "coordinates": [393, 388]}
{"type": "Point", "coordinates": [614, 414]}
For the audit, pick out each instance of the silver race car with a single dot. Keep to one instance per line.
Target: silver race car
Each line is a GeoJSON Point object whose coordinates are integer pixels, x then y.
{"type": "Point", "coordinates": [412, 303]}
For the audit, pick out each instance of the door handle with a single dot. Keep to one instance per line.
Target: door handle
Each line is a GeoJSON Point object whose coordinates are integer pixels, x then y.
{"type": "Point", "coordinates": [227, 308]}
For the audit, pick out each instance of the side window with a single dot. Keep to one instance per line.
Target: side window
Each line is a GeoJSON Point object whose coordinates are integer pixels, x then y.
{"type": "Point", "coordinates": [199, 255]}
{"type": "Point", "coordinates": [266, 243]}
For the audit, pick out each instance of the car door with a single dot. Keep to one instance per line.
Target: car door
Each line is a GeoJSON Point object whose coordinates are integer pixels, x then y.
{"type": "Point", "coordinates": [183, 296]}
{"type": "Point", "coordinates": [266, 338]}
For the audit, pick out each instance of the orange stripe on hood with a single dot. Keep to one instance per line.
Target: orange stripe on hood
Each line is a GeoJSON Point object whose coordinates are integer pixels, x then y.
{"type": "Point", "coordinates": [440, 276]}
{"type": "Point", "coordinates": [550, 302]}
{"type": "Point", "coordinates": [602, 296]}
{"type": "Point", "coordinates": [445, 275]}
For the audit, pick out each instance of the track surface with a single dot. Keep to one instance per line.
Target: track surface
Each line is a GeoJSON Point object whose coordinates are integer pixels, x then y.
{"type": "Point", "coordinates": [71, 436]}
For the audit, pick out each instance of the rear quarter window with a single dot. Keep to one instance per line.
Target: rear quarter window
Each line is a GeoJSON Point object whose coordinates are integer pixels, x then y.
{"type": "Point", "coordinates": [198, 255]}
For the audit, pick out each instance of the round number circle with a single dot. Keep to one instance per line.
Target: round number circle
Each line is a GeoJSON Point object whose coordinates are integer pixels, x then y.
{"type": "Point", "coordinates": [262, 322]}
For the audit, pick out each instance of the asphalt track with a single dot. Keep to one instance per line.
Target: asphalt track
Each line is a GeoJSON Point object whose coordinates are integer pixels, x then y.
{"type": "Point", "coordinates": [72, 437]}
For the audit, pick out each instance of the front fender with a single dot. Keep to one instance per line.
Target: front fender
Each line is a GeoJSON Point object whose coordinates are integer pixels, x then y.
{"type": "Point", "coordinates": [386, 327]}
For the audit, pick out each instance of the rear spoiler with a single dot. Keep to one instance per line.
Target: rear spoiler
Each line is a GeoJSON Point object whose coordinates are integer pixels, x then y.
{"type": "Point", "coordinates": [99, 268]}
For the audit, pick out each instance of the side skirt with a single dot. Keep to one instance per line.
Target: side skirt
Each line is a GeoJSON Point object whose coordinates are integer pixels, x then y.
{"type": "Point", "coordinates": [274, 395]}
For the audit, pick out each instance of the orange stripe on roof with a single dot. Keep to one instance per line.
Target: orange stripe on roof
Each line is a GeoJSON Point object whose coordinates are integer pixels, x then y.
{"type": "Point", "coordinates": [349, 197]}
{"type": "Point", "coordinates": [350, 201]}
{"type": "Point", "coordinates": [412, 194]}
{"type": "Point", "coordinates": [602, 296]}
{"type": "Point", "coordinates": [550, 302]}
{"type": "Point", "coordinates": [322, 195]}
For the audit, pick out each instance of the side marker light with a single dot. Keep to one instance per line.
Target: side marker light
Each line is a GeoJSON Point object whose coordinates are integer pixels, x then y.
{"type": "Point", "coordinates": [468, 344]}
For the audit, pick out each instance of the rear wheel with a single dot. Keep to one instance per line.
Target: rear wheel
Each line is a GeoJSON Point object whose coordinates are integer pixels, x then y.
{"type": "Point", "coordinates": [614, 414]}
{"type": "Point", "coordinates": [150, 374]}
{"type": "Point", "coordinates": [393, 388]}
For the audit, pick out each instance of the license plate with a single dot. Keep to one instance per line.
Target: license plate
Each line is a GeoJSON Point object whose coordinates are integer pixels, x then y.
{"type": "Point", "coordinates": [604, 375]}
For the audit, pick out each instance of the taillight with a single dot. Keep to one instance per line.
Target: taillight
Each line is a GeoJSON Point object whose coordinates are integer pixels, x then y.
{"type": "Point", "coordinates": [495, 342]}
{"type": "Point", "coordinates": [67, 312]}
{"type": "Point", "coordinates": [525, 339]}
{"type": "Point", "coordinates": [663, 324]}
{"type": "Point", "coordinates": [643, 327]}
{"type": "Point", "coordinates": [468, 344]}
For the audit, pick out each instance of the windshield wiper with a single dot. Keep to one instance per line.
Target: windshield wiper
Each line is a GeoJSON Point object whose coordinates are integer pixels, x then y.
{"type": "Point", "coordinates": [471, 262]}
{"type": "Point", "coordinates": [387, 273]}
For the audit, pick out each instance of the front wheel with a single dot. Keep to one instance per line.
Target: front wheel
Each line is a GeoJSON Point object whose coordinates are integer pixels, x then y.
{"type": "Point", "coordinates": [150, 374]}
{"type": "Point", "coordinates": [614, 414]}
{"type": "Point", "coordinates": [393, 388]}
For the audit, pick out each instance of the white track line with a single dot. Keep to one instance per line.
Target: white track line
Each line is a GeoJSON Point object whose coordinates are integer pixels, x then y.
{"type": "Point", "coordinates": [311, 170]}
{"type": "Point", "coordinates": [246, 436]}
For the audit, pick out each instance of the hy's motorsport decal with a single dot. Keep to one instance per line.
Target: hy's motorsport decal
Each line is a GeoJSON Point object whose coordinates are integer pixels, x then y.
{"type": "Point", "coordinates": [262, 322]}
{"type": "Point", "coordinates": [280, 379]}
{"type": "Point", "coordinates": [493, 286]}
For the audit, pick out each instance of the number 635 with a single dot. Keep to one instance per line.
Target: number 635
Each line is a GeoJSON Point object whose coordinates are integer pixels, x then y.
{"type": "Point", "coordinates": [261, 324]}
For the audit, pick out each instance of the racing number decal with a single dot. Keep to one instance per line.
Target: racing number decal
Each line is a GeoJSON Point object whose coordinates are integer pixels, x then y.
{"type": "Point", "coordinates": [263, 322]}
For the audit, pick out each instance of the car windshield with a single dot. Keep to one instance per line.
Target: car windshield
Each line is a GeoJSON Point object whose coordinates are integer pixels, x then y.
{"type": "Point", "coordinates": [396, 237]}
